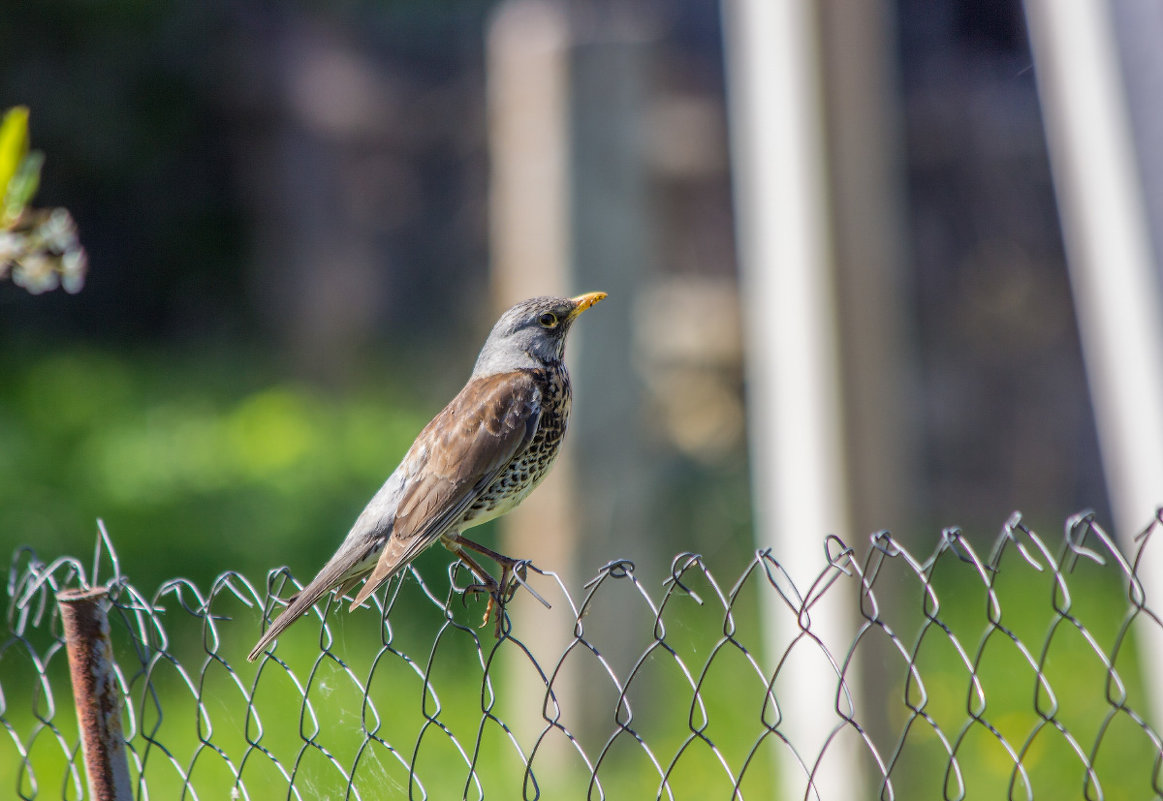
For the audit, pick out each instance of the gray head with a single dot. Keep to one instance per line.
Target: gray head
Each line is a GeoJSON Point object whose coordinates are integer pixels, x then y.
{"type": "Point", "coordinates": [531, 334]}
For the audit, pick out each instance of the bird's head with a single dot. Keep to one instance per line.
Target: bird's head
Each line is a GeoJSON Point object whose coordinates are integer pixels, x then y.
{"type": "Point", "coordinates": [531, 334]}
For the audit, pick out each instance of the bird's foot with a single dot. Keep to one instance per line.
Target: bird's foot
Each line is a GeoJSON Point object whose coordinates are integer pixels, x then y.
{"type": "Point", "coordinates": [514, 573]}
{"type": "Point", "coordinates": [499, 595]}
{"type": "Point", "coordinates": [491, 587]}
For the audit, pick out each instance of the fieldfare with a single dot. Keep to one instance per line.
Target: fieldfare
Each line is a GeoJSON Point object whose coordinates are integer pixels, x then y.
{"type": "Point", "coordinates": [476, 460]}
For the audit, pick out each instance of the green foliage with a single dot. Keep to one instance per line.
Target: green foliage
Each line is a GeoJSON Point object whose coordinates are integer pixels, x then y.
{"type": "Point", "coordinates": [40, 248]}
{"type": "Point", "coordinates": [14, 161]}
{"type": "Point", "coordinates": [198, 464]}
{"type": "Point", "coordinates": [203, 463]}
{"type": "Point", "coordinates": [19, 167]}
{"type": "Point", "coordinates": [1018, 689]}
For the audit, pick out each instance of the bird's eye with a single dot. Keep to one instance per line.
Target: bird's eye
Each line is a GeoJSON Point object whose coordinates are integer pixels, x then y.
{"type": "Point", "coordinates": [548, 320]}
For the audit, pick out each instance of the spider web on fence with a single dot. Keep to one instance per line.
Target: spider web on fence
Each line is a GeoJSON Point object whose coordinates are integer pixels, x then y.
{"type": "Point", "coordinates": [957, 675]}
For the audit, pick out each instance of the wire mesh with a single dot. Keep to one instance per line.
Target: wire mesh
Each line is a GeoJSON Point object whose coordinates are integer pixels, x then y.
{"type": "Point", "coordinates": [1013, 675]}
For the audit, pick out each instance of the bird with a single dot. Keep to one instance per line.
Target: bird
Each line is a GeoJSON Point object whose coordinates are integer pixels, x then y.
{"type": "Point", "coordinates": [476, 460]}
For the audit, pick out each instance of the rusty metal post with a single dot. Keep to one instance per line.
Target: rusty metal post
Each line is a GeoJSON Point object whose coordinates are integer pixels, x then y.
{"type": "Point", "coordinates": [96, 693]}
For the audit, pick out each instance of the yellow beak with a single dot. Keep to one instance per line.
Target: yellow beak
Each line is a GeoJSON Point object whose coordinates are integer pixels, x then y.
{"type": "Point", "coordinates": [584, 302]}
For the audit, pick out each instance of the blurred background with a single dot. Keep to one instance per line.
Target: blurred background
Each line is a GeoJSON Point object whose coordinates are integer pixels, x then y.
{"type": "Point", "coordinates": [840, 293]}
{"type": "Point", "coordinates": [287, 213]}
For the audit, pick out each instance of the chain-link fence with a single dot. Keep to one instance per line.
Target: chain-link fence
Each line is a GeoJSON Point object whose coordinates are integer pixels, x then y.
{"type": "Point", "coordinates": [1014, 675]}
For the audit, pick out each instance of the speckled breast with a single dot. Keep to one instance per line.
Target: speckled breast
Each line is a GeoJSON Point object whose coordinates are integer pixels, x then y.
{"type": "Point", "coordinates": [527, 470]}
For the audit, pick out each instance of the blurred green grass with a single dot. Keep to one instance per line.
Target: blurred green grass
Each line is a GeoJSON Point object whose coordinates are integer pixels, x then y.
{"type": "Point", "coordinates": [445, 679]}
{"type": "Point", "coordinates": [1008, 694]}
{"type": "Point", "coordinates": [204, 462]}
{"type": "Point", "coordinates": [197, 463]}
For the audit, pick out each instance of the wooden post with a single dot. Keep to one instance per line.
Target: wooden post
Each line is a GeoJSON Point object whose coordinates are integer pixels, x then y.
{"type": "Point", "coordinates": [527, 74]}
{"type": "Point", "coordinates": [867, 193]}
{"type": "Point", "coordinates": [568, 204]}
{"type": "Point", "coordinates": [866, 188]}
{"type": "Point", "coordinates": [610, 250]}
{"type": "Point", "coordinates": [96, 693]}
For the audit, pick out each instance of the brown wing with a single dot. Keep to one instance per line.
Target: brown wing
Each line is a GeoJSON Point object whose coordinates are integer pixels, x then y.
{"type": "Point", "coordinates": [459, 454]}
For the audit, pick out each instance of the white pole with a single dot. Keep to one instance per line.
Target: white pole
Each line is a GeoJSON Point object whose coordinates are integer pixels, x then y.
{"type": "Point", "coordinates": [1116, 288]}
{"type": "Point", "coordinates": [1115, 281]}
{"type": "Point", "coordinates": [794, 410]}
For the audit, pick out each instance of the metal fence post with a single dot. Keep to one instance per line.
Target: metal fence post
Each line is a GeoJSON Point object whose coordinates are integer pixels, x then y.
{"type": "Point", "coordinates": [96, 693]}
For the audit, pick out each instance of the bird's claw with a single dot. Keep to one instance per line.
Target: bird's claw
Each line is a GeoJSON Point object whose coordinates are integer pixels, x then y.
{"type": "Point", "coordinates": [476, 589]}
{"type": "Point", "coordinates": [499, 595]}
{"type": "Point", "coordinates": [513, 574]}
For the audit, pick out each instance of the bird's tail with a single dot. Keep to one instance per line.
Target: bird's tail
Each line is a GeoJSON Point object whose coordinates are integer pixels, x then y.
{"type": "Point", "coordinates": [344, 569]}
{"type": "Point", "coordinates": [396, 555]}
{"type": "Point", "coordinates": [298, 606]}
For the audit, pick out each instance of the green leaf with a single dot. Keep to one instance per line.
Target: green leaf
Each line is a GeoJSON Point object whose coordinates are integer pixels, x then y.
{"type": "Point", "coordinates": [13, 144]}
{"type": "Point", "coordinates": [22, 186]}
